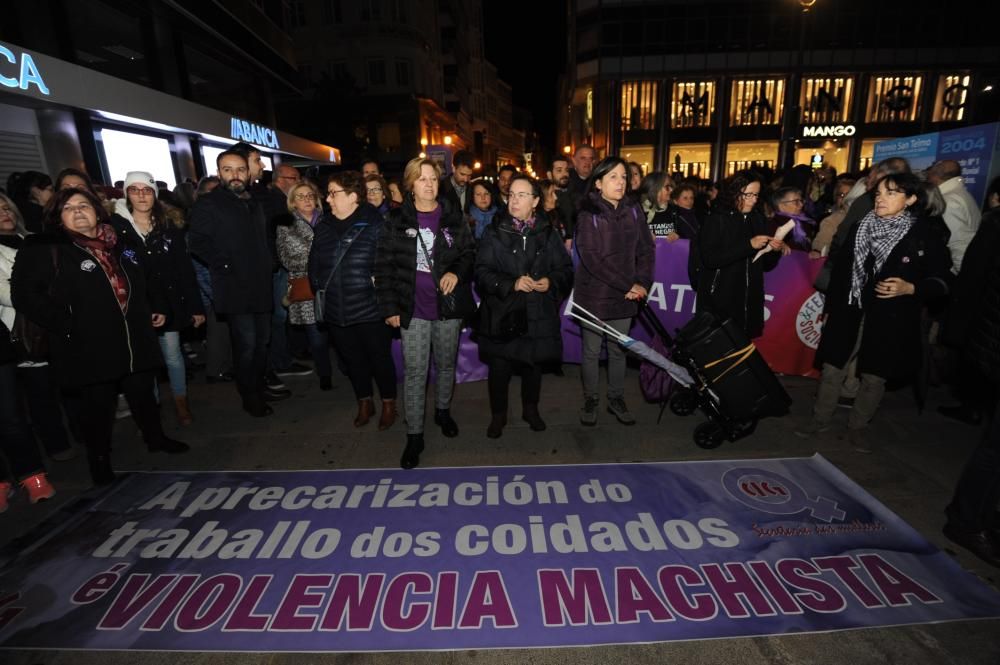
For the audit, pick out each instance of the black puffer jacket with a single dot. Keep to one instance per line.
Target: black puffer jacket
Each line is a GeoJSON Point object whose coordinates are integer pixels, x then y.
{"type": "Point", "coordinates": [504, 255]}
{"type": "Point", "coordinates": [983, 347]}
{"type": "Point", "coordinates": [891, 344]}
{"type": "Point", "coordinates": [169, 271]}
{"type": "Point", "coordinates": [350, 295]}
{"type": "Point", "coordinates": [730, 284]}
{"type": "Point", "coordinates": [91, 341]}
{"type": "Point", "coordinates": [396, 263]}
{"type": "Point", "coordinates": [229, 235]}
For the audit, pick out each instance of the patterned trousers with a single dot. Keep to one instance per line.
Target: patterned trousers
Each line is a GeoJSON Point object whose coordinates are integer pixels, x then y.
{"type": "Point", "coordinates": [418, 340]}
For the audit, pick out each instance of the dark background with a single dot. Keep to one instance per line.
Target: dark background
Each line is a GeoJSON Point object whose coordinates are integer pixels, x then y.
{"type": "Point", "coordinates": [526, 41]}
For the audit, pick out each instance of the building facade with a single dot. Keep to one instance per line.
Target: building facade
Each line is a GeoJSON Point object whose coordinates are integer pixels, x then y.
{"type": "Point", "coordinates": [156, 85]}
{"type": "Point", "coordinates": [393, 78]}
{"type": "Point", "coordinates": [710, 87]}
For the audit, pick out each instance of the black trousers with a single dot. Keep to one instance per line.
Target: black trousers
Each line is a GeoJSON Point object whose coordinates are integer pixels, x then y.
{"type": "Point", "coordinates": [250, 334]}
{"type": "Point", "coordinates": [365, 349]}
{"type": "Point", "coordinates": [17, 444]}
{"type": "Point", "coordinates": [501, 371]}
{"type": "Point", "coordinates": [95, 405]}
{"type": "Point", "coordinates": [42, 401]}
{"type": "Point", "coordinates": [978, 490]}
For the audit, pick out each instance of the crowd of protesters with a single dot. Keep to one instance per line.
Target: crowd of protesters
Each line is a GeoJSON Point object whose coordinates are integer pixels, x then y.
{"type": "Point", "coordinates": [102, 287]}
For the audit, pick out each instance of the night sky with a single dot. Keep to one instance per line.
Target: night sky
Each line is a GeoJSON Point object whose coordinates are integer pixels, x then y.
{"type": "Point", "coordinates": [526, 41]}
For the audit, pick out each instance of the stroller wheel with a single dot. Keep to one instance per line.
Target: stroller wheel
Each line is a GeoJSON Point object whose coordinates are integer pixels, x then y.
{"type": "Point", "coordinates": [684, 403]}
{"type": "Point", "coordinates": [709, 435]}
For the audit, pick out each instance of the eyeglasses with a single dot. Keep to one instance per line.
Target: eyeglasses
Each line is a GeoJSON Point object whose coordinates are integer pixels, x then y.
{"type": "Point", "coordinates": [374, 189]}
{"type": "Point", "coordinates": [521, 195]}
{"type": "Point", "coordinates": [334, 192]}
{"type": "Point", "coordinates": [750, 195]}
{"type": "Point", "coordinates": [83, 207]}
{"type": "Point", "coordinates": [140, 191]}
{"type": "Point", "coordinates": [305, 197]}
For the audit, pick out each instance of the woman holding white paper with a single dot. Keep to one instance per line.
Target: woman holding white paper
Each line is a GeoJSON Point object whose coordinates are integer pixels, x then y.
{"type": "Point", "coordinates": [730, 270]}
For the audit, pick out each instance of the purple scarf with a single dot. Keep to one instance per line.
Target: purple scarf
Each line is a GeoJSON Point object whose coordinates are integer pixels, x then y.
{"type": "Point", "coordinates": [799, 234]}
{"type": "Point", "coordinates": [519, 226]}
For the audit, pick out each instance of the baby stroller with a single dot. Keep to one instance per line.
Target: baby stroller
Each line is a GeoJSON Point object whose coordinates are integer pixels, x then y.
{"type": "Point", "coordinates": [722, 375]}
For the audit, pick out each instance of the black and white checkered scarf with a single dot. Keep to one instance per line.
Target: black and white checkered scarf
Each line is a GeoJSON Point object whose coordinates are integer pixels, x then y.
{"type": "Point", "coordinates": [877, 236]}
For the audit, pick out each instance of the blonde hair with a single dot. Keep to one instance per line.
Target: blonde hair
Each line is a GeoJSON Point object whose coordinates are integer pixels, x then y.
{"type": "Point", "coordinates": [296, 187]}
{"type": "Point", "coordinates": [412, 171]}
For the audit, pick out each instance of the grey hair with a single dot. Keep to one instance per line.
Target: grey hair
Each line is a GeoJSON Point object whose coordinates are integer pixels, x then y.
{"type": "Point", "coordinates": [19, 227]}
{"type": "Point", "coordinates": [935, 201]}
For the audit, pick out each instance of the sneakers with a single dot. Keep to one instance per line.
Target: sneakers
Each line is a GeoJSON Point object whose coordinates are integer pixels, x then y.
{"type": "Point", "coordinates": [6, 492]}
{"type": "Point", "coordinates": [122, 411]}
{"type": "Point", "coordinates": [588, 414]}
{"type": "Point", "coordinates": [295, 369]}
{"type": "Point", "coordinates": [272, 382]}
{"type": "Point", "coordinates": [617, 408]}
{"type": "Point", "coordinates": [276, 394]}
{"type": "Point", "coordinates": [811, 428]}
{"type": "Point", "coordinates": [38, 488]}
{"type": "Point", "coordinates": [845, 402]}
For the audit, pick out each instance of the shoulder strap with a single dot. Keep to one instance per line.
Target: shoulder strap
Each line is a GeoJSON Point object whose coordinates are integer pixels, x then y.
{"type": "Point", "coordinates": [427, 255]}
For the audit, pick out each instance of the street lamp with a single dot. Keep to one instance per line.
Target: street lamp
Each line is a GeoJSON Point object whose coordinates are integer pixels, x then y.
{"type": "Point", "coordinates": [447, 139]}
{"type": "Point", "coordinates": [423, 142]}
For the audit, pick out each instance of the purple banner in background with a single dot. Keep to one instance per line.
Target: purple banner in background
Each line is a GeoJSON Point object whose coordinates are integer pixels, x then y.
{"type": "Point", "coordinates": [473, 558]}
{"type": "Point", "coordinates": [791, 312]}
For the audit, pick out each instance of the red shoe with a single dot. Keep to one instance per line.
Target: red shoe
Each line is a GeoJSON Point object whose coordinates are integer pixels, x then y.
{"type": "Point", "coordinates": [6, 491]}
{"type": "Point", "coordinates": [38, 488]}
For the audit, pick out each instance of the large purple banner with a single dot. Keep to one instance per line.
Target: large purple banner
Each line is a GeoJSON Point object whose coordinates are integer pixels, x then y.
{"type": "Point", "coordinates": [791, 312]}
{"type": "Point", "coordinates": [472, 558]}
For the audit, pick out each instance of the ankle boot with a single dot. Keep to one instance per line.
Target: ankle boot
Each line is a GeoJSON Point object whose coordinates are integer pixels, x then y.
{"type": "Point", "coordinates": [497, 423]}
{"type": "Point", "coordinates": [183, 412]}
{"type": "Point", "coordinates": [529, 414]}
{"type": "Point", "coordinates": [411, 454]}
{"type": "Point", "coordinates": [442, 418]}
{"type": "Point", "coordinates": [388, 416]}
{"type": "Point", "coordinates": [100, 469]}
{"type": "Point", "coordinates": [365, 412]}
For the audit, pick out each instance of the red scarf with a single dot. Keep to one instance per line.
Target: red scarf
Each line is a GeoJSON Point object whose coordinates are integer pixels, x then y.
{"type": "Point", "coordinates": [101, 247]}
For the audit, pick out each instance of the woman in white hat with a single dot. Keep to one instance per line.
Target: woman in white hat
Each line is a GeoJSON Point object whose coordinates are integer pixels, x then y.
{"type": "Point", "coordinates": [142, 224]}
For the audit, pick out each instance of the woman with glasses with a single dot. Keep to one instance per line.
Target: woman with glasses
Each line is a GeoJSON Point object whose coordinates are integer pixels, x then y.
{"type": "Point", "coordinates": [654, 197]}
{"type": "Point", "coordinates": [894, 262]}
{"type": "Point", "coordinates": [377, 194]}
{"type": "Point", "coordinates": [342, 266]}
{"type": "Point", "coordinates": [788, 204]}
{"type": "Point", "coordinates": [80, 283]}
{"type": "Point", "coordinates": [730, 283]}
{"type": "Point", "coordinates": [294, 240]}
{"type": "Point", "coordinates": [423, 277]}
{"type": "Point", "coordinates": [143, 229]}
{"type": "Point", "coordinates": [521, 264]}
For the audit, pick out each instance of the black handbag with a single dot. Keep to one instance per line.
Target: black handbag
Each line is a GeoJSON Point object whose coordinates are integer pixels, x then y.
{"type": "Point", "coordinates": [455, 305]}
{"type": "Point", "coordinates": [503, 320]}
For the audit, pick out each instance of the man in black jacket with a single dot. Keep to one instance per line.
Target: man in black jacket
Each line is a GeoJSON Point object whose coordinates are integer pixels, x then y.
{"type": "Point", "coordinates": [455, 186]}
{"type": "Point", "coordinates": [228, 234]}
